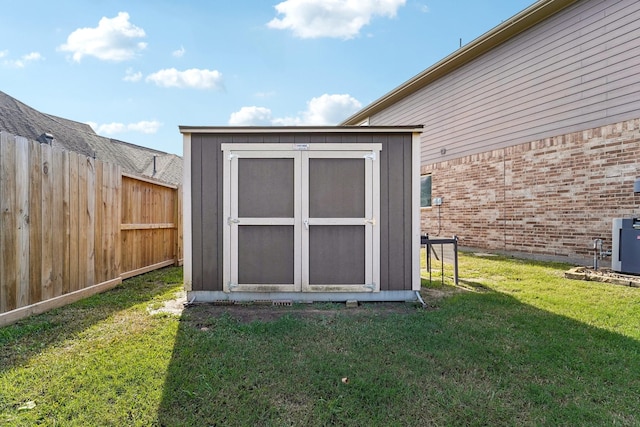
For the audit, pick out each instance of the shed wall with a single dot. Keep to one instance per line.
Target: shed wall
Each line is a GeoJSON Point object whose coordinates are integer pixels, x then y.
{"type": "Point", "coordinates": [395, 202]}
{"type": "Point", "coordinates": [577, 70]}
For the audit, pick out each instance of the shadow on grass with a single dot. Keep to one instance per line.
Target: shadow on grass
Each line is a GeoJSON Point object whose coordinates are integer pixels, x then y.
{"type": "Point", "coordinates": [479, 359]}
{"type": "Point", "coordinates": [22, 340]}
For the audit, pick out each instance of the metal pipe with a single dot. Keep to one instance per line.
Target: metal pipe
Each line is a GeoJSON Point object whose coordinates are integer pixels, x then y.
{"type": "Point", "coordinates": [455, 259]}
{"type": "Point", "coordinates": [424, 305]}
{"type": "Point", "coordinates": [441, 263]}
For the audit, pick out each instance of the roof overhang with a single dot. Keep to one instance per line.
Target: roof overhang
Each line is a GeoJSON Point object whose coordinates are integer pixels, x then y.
{"type": "Point", "coordinates": [524, 20]}
{"type": "Point", "coordinates": [298, 129]}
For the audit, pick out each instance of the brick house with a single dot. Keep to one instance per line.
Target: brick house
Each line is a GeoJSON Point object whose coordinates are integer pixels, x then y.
{"type": "Point", "coordinates": [531, 131]}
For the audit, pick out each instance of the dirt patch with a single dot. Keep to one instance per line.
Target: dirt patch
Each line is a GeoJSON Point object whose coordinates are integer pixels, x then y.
{"type": "Point", "coordinates": [267, 311]}
{"type": "Point", "coordinates": [248, 313]}
{"type": "Point", "coordinates": [174, 306]}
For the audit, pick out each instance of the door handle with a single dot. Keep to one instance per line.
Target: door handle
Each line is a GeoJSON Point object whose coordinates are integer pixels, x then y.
{"type": "Point", "coordinates": [306, 223]}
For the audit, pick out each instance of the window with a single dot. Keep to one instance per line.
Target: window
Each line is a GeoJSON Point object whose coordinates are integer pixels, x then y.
{"type": "Point", "coordinates": [425, 191]}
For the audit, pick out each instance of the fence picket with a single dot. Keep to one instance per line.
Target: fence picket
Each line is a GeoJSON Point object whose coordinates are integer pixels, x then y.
{"type": "Point", "coordinates": [57, 220]}
{"type": "Point", "coordinates": [47, 223]}
{"type": "Point", "coordinates": [74, 223]}
{"type": "Point", "coordinates": [82, 222]}
{"type": "Point", "coordinates": [8, 273]}
{"type": "Point", "coordinates": [35, 222]}
{"type": "Point", "coordinates": [100, 243]}
{"type": "Point", "coordinates": [117, 200]}
{"type": "Point", "coordinates": [22, 211]}
{"type": "Point", "coordinates": [66, 222]}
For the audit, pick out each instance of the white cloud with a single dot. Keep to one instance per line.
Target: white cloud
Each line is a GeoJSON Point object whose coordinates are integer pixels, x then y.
{"type": "Point", "coordinates": [325, 110]}
{"type": "Point", "coordinates": [251, 116]}
{"type": "Point", "coordinates": [110, 128]}
{"type": "Point", "coordinates": [179, 53]}
{"type": "Point", "coordinates": [23, 61]}
{"type": "Point", "coordinates": [265, 94]}
{"type": "Point", "coordinates": [132, 76]}
{"type": "Point", "coordinates": [330, 109]}
{"type": "Point", "coordinates": [148, 127]}
{"type": "Point", "coordinates": [114, 39]}
{"type": "Point", "coordinates": [192, 78]}
{"type": "Point", "coordinates": [330, 18]}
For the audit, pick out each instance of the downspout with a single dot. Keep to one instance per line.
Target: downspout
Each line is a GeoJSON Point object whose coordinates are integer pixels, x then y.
{"type": "Point", "coordinates": [424, 305]}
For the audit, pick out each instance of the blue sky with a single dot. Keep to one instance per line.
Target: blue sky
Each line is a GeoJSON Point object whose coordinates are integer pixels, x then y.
{"type": "Point", "coordinates": [135, 70]}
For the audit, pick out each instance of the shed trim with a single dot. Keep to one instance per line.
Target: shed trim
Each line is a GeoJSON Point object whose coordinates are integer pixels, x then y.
{"type": "Point", "coordinates": [318, 146]}
{"type": "Point", "coordinates": [186, 214]}
{"type": "Point", "coordinates": [298, 129]}
{"type": "Point", "coordinates": [208, 280]}
{"type": "Point", "coordinates": [219, 296]}
{"type": "Point", "coordinates": [301, 216]}
{"type": "Point", "coordinates": [415, 214]}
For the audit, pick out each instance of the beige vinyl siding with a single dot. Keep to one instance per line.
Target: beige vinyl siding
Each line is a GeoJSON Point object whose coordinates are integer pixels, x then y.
{"type": "Point", "coordinates": [576, 70]}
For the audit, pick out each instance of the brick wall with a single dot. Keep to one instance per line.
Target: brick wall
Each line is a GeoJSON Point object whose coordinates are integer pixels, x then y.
{"type": "Point", "coordinates": [546, 199]}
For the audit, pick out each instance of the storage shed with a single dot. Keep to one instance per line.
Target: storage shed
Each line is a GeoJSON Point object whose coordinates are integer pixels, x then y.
{"type": "Point", "coordinates": [301, 213]}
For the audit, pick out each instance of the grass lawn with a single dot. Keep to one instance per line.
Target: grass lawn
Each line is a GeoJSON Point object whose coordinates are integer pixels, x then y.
{"type": "Point", "coordinates": [515, 344]}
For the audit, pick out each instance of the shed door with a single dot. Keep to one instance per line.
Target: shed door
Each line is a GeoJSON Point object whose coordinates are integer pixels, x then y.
{"type": "Point", "coordinates": [262, 210]}
{"type": "Point", "coordinates": [301, 219]}
{"type": "Point", "coordinates": [339, 215]}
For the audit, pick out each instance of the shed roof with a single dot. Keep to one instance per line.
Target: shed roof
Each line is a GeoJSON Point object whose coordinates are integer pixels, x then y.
{"type": "Point", "coordinates": [520, 22]}
{"type": "Point", "coordinates": [299, 129]}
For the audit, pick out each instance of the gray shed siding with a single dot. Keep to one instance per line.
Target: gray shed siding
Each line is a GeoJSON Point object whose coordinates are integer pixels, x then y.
{"type": "Point", "coordinates": [395, 202]}
{"type": "Point", "coordinates": [577, 70]}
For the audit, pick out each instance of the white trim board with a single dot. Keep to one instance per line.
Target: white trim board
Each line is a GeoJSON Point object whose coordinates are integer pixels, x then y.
{"type": "Point", "coordinates": [187, 227]}
{"type": "Point", "coordinates": [415, 212]}
{"type": "Point", "coordinates": [219, 296]}
{"type": "Point", "coordinates": [301, 153]}
{"type": "Point", "coordinates": [302, 130]}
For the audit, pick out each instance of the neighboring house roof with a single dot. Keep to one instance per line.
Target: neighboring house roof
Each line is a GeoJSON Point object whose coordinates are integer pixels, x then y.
{"type": "Point", "coordinates": [520, 22]}
{"type": "Point", "coordinates": [20, 119]}
{"type": "Point", "coordinates": [168, 167]}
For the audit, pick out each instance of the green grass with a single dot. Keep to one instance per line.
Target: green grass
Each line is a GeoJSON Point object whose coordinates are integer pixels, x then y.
{"type": "Point", "coordinates": [514, 344]}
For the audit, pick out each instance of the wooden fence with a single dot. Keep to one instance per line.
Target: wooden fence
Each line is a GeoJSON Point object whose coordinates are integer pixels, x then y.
{"type": "Point", "coordinates": [151, 230]}
{"type": "Point", "coordinates": [72, 226]}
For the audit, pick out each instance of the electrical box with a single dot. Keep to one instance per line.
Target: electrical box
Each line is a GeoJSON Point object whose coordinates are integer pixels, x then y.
{"type": "Point", "coordinates": [625, 251]}
{"type": "Point", "coordinates": [437, 201]}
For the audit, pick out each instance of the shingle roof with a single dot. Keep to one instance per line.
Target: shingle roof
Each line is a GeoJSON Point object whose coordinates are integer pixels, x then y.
{"type": "Point", "coordinates": [140, 159]}
{"type": "Point", "coordinates": [20, 119]}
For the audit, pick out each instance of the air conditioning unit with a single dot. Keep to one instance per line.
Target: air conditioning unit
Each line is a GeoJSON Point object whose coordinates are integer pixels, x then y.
{"type": "Point", "coordinates": [625, 251]}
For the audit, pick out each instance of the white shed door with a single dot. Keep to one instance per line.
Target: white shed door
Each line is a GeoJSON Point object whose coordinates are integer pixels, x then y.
{"type": "Point", "coordinates": [301, 218]}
